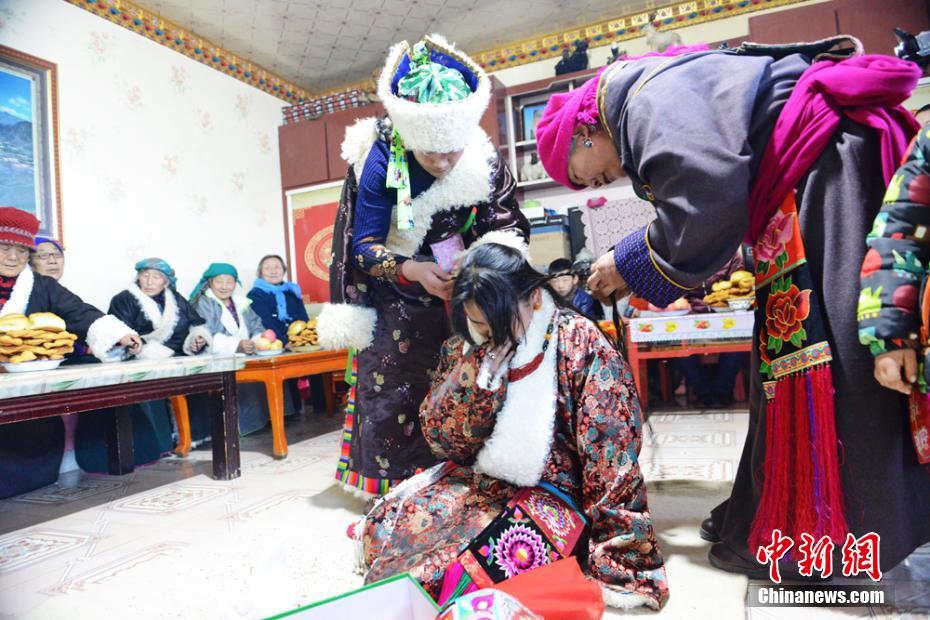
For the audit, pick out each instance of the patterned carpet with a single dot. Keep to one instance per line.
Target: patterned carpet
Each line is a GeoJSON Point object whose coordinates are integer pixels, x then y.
{"type": "Point", "coordinates": [169, 538]}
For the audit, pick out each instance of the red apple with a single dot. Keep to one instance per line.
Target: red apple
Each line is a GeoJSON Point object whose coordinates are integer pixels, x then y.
{"type": "Point", "coordinates": [269, 335]}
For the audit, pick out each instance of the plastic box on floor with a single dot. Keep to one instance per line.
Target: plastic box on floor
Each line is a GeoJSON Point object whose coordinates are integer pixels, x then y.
{"type": "Point", "coordinates": [397, 598]}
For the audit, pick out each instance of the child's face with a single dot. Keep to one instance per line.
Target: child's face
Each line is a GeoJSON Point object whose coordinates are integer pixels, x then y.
{"type": "Point", "coordinates": [563, 284]}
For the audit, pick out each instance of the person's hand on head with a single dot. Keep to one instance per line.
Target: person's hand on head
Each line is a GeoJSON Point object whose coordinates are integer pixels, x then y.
{"type": "Point", "coordinates": [606, 280]}
{"type": "Point", "coordinates": [431, 276]}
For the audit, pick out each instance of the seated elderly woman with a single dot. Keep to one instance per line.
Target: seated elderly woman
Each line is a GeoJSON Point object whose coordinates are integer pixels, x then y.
{"type": "Point", "coordinates": [169, 326]}
{"type": "Point", "coordinates": [279, 303]}
{"type": "Point", "coordinates": [235, 326]}
{"type": "Point", "coordinates": [166, 321]}
{"type": "Point", "coordinates": [49, 258]}
{"type": "Point", "coordinates": [31, 452]}
{"type": "Point", "coordinates": [535, 419]}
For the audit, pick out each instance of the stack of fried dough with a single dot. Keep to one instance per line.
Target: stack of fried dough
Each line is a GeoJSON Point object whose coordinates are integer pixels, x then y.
{"type": "Point", "coordinates": [739, 286]}
{"type": "Point", "coordinates": [40, 336]}
{"type": "Point", "coordinates": [302, 333]}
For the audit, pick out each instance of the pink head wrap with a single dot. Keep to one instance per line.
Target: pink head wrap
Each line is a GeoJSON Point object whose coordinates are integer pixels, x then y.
{"type": "Point", "coordinates": [566, 111]}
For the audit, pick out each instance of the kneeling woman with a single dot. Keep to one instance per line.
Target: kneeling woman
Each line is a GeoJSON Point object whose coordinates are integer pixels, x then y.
{"type": "Point", "coordinates": [536, 418]}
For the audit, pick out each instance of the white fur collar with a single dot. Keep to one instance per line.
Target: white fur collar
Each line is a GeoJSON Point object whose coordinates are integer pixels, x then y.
{"type": "Point", "coordinates": [22, 291]}
{"type": "Point", "coordinates": [162, 322]}
{"type": "Point", "coordinates": [357, 143]}
{"type": "Point", "coordinates": [519, 446]}
{"type": "Point", "coordinates": [468, 183]}
{"type": "Point", "coordinates": [226, 318]}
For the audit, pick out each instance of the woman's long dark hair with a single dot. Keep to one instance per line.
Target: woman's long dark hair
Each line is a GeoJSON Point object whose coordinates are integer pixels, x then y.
{"type": "Point", "coordinates": [496, 278]}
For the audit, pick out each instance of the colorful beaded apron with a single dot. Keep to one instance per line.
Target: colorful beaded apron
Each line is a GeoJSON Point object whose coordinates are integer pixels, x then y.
{"type": "Point", "coordinates": [539, 526]}
{"type": "Point", "coordinates": [801, 491]}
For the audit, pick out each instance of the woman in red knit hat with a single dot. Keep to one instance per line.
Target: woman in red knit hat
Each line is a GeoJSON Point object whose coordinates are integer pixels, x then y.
{"type": "Point", "coordinates": [30, 452]}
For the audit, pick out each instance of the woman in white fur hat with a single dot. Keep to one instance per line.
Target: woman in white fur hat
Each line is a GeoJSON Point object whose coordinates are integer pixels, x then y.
{"type": "Point", "coordinates": [423, 184]}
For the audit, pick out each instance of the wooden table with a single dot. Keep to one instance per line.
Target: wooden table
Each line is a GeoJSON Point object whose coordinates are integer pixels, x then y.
{"type": "Point", "coordinates": [112, 387]}
{"type": "Point", "coordinates": [273, 371]}
{"type": "Point", "coordinates": [660, 343]}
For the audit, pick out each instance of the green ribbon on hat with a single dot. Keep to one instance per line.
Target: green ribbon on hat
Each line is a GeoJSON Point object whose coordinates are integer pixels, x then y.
{"type": "Point", "coordinates": [431, 82]}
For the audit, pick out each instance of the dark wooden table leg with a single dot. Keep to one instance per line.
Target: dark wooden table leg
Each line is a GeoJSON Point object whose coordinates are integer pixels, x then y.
{"type": "Point", "coordinates": [225, 412]}
{"type": "Point", "coordinates": [119, 442]}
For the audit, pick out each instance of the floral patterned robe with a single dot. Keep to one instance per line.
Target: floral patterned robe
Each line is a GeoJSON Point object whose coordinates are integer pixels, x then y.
{"type": "Point", "coordinates": [592, 459]}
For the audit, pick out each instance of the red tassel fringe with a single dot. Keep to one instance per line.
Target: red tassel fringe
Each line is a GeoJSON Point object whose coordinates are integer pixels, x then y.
{"type": "Point", "coordinates": [802, 490]}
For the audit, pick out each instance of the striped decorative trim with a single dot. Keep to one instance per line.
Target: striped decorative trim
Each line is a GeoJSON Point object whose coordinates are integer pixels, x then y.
{"type": "Point", "coordinates": [624, 28]}
{"type": "Point", "coordinates": [769, 388]}
{"type": "Point", "coordinates": [22, 232]}
{"type": "Point", "coordinates": [152, 26]}
{"type": "Point", "coordinates": [353, 479]}
{"type": "Point", "coordinates": [801, 360]}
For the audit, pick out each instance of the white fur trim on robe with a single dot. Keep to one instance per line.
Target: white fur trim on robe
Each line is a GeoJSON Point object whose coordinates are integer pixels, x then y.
{"type": "Point", "coordinates": [467, 184]}
{"type": "Point", "coordinates": [19, 297]}
{"type": "Point", "coordinates": [198, 330]}
{"type": "Point", "coordinates": [519, 446]}
{"type": "Point", "coordinates": [357, 143]}
{"type": "Point", "coordinates": [163, 322]}
{"type": "Point", "coordinates": [434, 127]}
{"type": "Point", "coordinates": [105, 333]}
{"type": "Point", "coordinates": [228, 343]}
{"type": "Point", "coordinates": [341, 326]}
{"type": "Point", "coordinates": [625, 600]}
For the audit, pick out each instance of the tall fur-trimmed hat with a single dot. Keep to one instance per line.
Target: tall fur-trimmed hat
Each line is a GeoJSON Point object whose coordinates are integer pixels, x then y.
{"type": "Point", "coordinates": [434, 127]}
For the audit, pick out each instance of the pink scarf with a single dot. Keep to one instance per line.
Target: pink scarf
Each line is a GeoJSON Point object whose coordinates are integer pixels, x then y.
{"type": "Point", "coordinates": [867, 89]}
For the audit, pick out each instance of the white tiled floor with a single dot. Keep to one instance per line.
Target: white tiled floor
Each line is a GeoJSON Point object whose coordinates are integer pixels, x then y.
{"type": "Point", "coordinates": [168, 541]}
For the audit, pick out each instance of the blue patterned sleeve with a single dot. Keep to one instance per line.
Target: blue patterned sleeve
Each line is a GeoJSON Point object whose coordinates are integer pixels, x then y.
{"type": "Point", "coordinates": [373, 210]}
{"type": "Point", "coordinates": [636, 264]}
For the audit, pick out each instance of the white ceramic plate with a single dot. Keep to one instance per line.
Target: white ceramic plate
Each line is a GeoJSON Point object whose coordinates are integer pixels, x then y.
{"type": "Point", "coordinates": [724, 309]}
{"type": "Point", "coordinates": [269, 352]}
{"type": "Point", "coordinates": [646, 314]}
{"type": "Point", "coordinates": [309, 348]}
{"type": "Point", "coordinates": [32, 366]}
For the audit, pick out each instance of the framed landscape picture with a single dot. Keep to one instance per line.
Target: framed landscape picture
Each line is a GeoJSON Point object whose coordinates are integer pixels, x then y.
{"type": "Point", "coordinates": [531, 115]}
{"type": "Point", "coordinates": [29, 162]}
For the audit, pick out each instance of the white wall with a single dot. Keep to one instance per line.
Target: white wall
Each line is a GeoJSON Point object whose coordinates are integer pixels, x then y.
{"type": "Point", "coordinates": [160, 155]}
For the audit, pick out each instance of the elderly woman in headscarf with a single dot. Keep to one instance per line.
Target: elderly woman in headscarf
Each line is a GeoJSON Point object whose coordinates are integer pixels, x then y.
{"type": "Point", "coordinates": [31, 452]}
{"type": "Point", "coordinates": [422, 185]}
{"type": "Point", "coordinates": [789, 147]}
{"type": "Point", "coordinates": [49, 258]}
{"type": "Point", "coordinates": [166, 321]}
{"type": "Point", "coordinates": [234, 325]}
{"type": "Point", "coordinates": [275, 300]}
{"type": "Point", "coordinates": [169, 326]}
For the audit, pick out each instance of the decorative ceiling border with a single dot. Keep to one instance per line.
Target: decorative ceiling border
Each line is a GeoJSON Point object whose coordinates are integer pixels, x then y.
{"type": "Point", "coordinates": [152, 26]}
{"type": "Point", "coordinates": [192, 45]}
{"type": "Point", "coordinates": [688, 13]}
